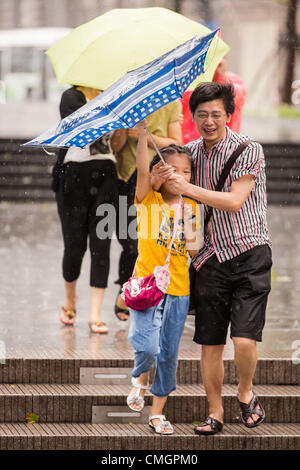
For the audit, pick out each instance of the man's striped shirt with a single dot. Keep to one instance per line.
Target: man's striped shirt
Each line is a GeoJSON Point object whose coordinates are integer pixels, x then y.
{"type": "Point", "coordinates": [231, 234]}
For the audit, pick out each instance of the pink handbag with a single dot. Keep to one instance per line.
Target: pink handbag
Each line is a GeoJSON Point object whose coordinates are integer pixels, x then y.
{"type": "Point", "coordinates": [140, 293]}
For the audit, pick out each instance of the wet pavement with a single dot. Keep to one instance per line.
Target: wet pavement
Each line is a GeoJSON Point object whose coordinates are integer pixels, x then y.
{"type": "Point", "coordinates": [32, 291]}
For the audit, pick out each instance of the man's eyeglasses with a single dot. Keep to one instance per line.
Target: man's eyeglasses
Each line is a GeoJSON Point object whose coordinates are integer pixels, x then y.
{"type": "Point", "coordinates": [214, 116]}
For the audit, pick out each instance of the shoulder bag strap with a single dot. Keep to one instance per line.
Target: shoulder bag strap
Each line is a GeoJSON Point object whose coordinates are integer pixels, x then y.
{"type": "Point", "coordinates": [226, 170]}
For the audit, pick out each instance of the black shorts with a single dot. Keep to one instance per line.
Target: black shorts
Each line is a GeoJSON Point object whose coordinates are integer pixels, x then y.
{"type": "Point", "coordinates": [235, 292]}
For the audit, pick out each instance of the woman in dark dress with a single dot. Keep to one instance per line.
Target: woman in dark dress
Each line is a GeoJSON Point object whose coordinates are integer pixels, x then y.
{"type": "Point", "coordinates": [83, 179]}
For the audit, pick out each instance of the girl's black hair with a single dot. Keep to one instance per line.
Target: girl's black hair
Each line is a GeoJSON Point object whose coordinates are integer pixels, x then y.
{"type": "Point", "coordinates": [171, 150]}
{"type": "Point", "coordinates": [213, 91]}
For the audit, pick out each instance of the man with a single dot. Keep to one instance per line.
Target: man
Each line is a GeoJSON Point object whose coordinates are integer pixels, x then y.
{"type": "Point", "coordinates": [189, 130]}
{"type": "Point", "coordinates": [164, 125]}
{"type": "Point", "coordinates": [232, 279]}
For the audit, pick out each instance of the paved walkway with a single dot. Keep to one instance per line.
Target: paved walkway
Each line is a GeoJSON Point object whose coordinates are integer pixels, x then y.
{"type": "Point", "coordinates": [31, 289]}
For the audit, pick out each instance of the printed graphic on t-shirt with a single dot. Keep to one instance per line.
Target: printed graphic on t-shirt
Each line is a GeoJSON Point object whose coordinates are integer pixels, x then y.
{"type": "Point", "coordinates": [166, 232]}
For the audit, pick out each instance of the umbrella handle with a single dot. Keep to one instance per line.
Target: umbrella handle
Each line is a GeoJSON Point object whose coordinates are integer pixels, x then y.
{"type": "Point", "coordinates": [155, 146]}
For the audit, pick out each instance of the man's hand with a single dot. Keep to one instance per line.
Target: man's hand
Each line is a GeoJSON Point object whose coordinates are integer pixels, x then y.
{"type": "Point", "coordinates": [178, 184]}
{"type": "Point", "coordinates": [160, 174]}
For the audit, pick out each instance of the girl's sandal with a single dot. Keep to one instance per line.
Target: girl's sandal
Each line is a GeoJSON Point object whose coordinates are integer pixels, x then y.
{"type": "Point", "coordinates": [164, 427]}
{"type": "Point", "coordinates": [70, 314]}
{"type": "Point", "coordinates": [136, 399]}
{"type": "Point", "coordinates": [96, 325]}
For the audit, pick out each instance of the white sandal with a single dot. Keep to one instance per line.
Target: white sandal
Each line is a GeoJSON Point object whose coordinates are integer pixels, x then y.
{"type": "Point", "coordinates": [136, 399]}
{"type": "Point", "coordinates": [162, 425]}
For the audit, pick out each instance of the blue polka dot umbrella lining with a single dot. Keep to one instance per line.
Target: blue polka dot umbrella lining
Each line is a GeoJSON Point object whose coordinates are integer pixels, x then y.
{"type": "Point", "coordinates": [132, 98]}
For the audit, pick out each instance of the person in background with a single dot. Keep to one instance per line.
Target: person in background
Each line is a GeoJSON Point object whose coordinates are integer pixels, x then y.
{"type": "Point", "coordinates": [165, 127]}
{"type": "Point", "coordinates": [189, 129]}
{"type": "Point", "coordinates": [82, 180]}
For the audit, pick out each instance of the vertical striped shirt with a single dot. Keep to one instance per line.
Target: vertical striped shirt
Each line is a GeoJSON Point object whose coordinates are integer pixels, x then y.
{"type": "Point", "coordinates": [231, 234]}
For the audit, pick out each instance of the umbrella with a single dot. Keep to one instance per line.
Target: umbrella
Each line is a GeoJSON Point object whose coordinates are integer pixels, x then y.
{"type": "Point", "coordinates": [133, 97]}
{"type": "Point", "coordinates": [99, 52]}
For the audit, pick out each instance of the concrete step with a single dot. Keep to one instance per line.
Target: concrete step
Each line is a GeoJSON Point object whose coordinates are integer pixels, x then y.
{"type": "Point", "coordinates": [32, 169]}
{"type": "Point", "coordinates": [284, 198]}
{"type": "Point", "coordinates": [282, 162]}
{"type": "Point", "coordinates": [44, 367]}
{"type": "Point", "coordinates": [282, 170]}
{"type": "Point", "coordinates": [25, 182]}
{"type": "Point", "coordinates": [281, 149]}
{"type": "Point", "coordinates": [20, 159]}
{"type": "Point", "coordinates": [68, 370]}
{"type": "Point", "coordinates": [53, 436]}
{"type": "Point", "coordinates": [283, 173]}
{"type": "Point", "coordinates": [78, 403]}
{"type": "Point", "coordinates": [32, 194]}
{"type": "Point", "coordinates": [35, 176]}
{"type": "Point", "coordinates": [24, 194]}
{"type": "Point", "coordinates": [291, 185]}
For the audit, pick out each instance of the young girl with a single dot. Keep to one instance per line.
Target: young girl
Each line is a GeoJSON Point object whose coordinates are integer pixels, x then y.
{"type": "Point", "coordinates": [155, 332]}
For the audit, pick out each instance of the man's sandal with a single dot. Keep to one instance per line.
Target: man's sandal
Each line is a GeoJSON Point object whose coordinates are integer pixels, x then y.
{"type": "Point", "coordinates": [164, 427]}
{"type": "Point", "coordinates": [136, 399]}
{"type": "Point", "coordinates": [252, 408]}
{"type": "Point", "coordinates": [70, 314]}
{"type": "Point", "coordinates": [98, 324]}
{"type": "Point", "coordinates": [216, 426]}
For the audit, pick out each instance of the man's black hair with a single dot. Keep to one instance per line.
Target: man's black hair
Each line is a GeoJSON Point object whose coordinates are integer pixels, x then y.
{"type": "Point", "coordinates": [213, 91]}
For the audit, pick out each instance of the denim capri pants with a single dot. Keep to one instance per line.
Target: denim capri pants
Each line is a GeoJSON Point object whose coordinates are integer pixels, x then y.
{"type": "Point", "coordinates": [155, 335]}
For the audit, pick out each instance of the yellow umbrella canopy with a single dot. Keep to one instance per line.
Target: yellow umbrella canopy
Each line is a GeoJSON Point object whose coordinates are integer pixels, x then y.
{"type": "Point", "coordinates": [99, 52]}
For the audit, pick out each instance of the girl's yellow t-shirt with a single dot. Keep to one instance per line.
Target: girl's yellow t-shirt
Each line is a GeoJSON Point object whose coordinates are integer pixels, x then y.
{"type": "Point", "coordinates": [155, 228]}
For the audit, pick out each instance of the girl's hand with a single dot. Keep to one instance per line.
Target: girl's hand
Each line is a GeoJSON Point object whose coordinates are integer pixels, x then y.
{"type": "Point", "coordinates": [138, 129]}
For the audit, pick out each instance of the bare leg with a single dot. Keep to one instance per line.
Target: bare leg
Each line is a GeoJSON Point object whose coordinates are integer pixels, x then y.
{"type": "Point", "coordinates": [212, 370]}
{"type": "Point", "coordinates": [245, 361]}
{"type": "Point", "coordinates": [97, 295]}
{"type": "Point", "coordinates": [70, 302]}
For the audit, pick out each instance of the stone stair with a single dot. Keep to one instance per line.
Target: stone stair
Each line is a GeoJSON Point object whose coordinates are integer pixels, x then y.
{"type": "Point", "coordinates": [70, 392]}
{"type": "Point", "coordinates": [283, 173]}
{"type": "Point", "coordinates": [25, 173]}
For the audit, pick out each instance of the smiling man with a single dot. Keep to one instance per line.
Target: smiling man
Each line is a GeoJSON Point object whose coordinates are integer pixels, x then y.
{"type": "Point", "coordinates": [233, 268]}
